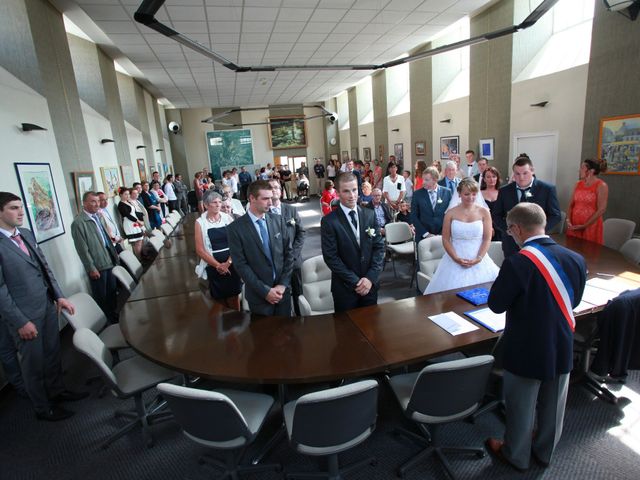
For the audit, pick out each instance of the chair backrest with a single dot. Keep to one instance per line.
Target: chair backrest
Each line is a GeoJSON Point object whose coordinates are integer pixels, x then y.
{"type": "Point", "coordinates": [559, 228]}
{"type": "Point", "coordinates": [166, 229]}
{"type": "Point", "coordinates": [88, 343]}
{"type": "Point", "coordinates": [157, 242]}
{"type": "Point", "coordinates": [631, 250]}
{"type": "Point", "coordinates": [335, 416]}
{"type": "Point", "coordinates": [124, 278]}
{"type": "Point", "coordinates": [207, 416]}
{"type": "Point", "coordinates": [157, 233]}
{"type": "Point", "coordinates": [397, 232]}
{"type": "Point", "coordinates": [87, 313]}
{"type": "Point", "coordinates": [171, 220]}
{"type": "Point", "coordinates": [316, 285]}
{"type": "Point", "coordinates": [449, 391]}
{"type": "Point", "coordinates": [131, 263]}
{"type": "Point", "coordinates": [495, 253]}
{"type": "Point", "coordinates": [430, 252]}
{"type": "Point", "coordinates": [617, 231]}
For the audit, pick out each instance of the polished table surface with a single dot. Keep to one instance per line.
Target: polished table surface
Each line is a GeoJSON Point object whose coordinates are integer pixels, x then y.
{"type": "Point", "coordinates": [183, 329]}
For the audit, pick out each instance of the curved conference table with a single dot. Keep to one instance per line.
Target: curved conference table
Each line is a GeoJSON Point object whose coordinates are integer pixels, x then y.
{"type": "Point", "coordinates": [179, 327]}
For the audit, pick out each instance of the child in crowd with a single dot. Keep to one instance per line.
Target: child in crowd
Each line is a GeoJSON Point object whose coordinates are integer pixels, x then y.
{"type": "Point", "coordinates": [328, 195]}
{"type": "Point", "coordinates": [408, 185]}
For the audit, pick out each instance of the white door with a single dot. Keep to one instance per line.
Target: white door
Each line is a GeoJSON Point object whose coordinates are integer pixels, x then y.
{"type": "Point", "coordinates": [542, 148]}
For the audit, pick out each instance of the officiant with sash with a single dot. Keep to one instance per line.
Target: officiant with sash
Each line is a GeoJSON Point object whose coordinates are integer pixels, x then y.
{"type": "Point", "coordinates": [538, 287]}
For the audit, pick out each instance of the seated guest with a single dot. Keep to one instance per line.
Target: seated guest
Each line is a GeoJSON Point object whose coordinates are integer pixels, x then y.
{"type": "Point", "coordinates": [329, 193]}
{"type": "Point", "coordinates": [132, 221]}
{"type": "Point", "coordinates": [365, 196]}
{"type": "Point", "coordinates": [429, 205]}
{"type": "Point", "coordinates": [381, 210]}
{"type": "Point", "coordinates": [588, 203]}
{"type": "Point", "coordinates": [212, 247]}
{"type": "Point", "coordinates": [491, 180]}
{"type": "Point", "coordinates": [235, 203]}
{"type": "Point", "coordinates": [451, 178]}
{"type": "Point", "coordinates": [404, 213]}
{"type": "Point", "coordinates": [227, 208]}
{"type": "Point", "coordinates": [152, 205]}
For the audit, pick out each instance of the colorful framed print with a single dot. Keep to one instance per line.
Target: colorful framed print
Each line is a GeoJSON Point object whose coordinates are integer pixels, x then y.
{"type": "Point", "coordinates": [421, 148]}
{"type": "Point", "coordinates": [110, 180]}
{"type": "Point", "coordinates": [40, 200]}
{"type": "Point", "coordinates": [486, 148]}
{"type": "Point", "coordinates": [449, 146]}
{"type": "Point", "coordinates": [83, 182]}
{"type": "Point", "coordinates": [127, 175]}
{"type": "Point", "coordinates": [619, 144]}
{"type": "Point", "coordinates": [398, 151]}
{"type": "Point", "coordinates": [287, 132]}
{"type": "Point", "coordinates": [141, 169]}
{"type": "Point", "coordinates": [366, 154]}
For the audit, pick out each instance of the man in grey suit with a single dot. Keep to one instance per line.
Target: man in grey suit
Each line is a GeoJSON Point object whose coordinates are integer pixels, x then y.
{"type": "Point", "coordinates": [262, 254]}
{"type": "Point", "coordinates": [30, 300]}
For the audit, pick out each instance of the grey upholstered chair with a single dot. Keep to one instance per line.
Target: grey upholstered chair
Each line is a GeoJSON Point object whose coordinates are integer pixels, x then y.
{"type": "Point", "coordinates": [126, 281]}
{"type": "Point", "coordinates": [441, 393]}
{"type": "Point", "coordinates": [430, 252]}
{"type": "Point", "coordinates": [495, 252]}
{"type": "Point", "coordinates": [399, 241]}
{"type": "Point", "coordinates": [166, 228]}
{"type": "Point", "coordinates": [131, 263]}
{"type": "Point", "coordinates": [631, 250]}
{"type": "Point", "coordinates": [331, 421]}
{"type": "Point", "coordinates": [617, 231]}
{"type": "Point", "coordinates": [157, 242]}
{"type": "Point", "coordinates": [128, 379]}
{"type": "Point", "coordinates": [316, 298]}
{"type": "Point", "coordinates": [225, 420]}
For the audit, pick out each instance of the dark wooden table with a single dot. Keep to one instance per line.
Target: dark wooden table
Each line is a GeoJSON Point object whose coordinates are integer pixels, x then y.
{"type": "Point", "coordinates": [167, 276]}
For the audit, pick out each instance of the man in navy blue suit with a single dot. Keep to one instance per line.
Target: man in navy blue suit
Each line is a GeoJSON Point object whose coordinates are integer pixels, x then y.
{"type": "Point", "coordinates": [352, 248]}
{"type": "Point", "coordinates": [429, 205]}
{"type": "Point", "coordinates": [526, 188]}
{"type": "Point", "coordinates": [538, 288]}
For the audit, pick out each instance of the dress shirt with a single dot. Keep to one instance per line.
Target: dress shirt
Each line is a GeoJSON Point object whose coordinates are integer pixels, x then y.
{"type": "Point", "coordinates": [110, 222]}
{"type": "Point", "coordinates": [522, 191]}
{"type": "Point", "coordinates": [254, 221]}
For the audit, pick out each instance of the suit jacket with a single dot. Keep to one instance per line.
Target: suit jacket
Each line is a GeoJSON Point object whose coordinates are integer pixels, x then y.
{"type": "Point", "coordinates": [538, 342]}
{"type": "Point", "coordinates": [90, 245]}
{"type": "Point", "coordinates": [474, 169]}
{"type": "Point", "coordinates": [542, 193]}
{"type": "Point", "coordinates": [443, 182]}
{"type": "Point", "coordinates": [348, 261]}
{"type": "Point", "coordinates": [388, 216]}
{"type": "Point", "coordinates": [423, 216]}
{"type": "Point", "coordinates": [252, 264]}
{"type": "Point", "coordinates": [296, 231]}
{"type": "Point", "coordinates": [27, 284]}
{"type": "Point", "coordinates": [476, 177]}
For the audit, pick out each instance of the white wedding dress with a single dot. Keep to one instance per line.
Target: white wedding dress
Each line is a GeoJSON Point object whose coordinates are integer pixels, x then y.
{"type": "Point", "coordinates": [466, 238]}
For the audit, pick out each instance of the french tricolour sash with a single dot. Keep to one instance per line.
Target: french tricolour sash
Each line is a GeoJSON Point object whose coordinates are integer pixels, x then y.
{"type": "Point", "coordinates": [555, 277]}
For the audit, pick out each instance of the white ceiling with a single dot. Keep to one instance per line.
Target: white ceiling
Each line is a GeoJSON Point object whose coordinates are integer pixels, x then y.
{"type": "Point", "coordinates": [263, 32]}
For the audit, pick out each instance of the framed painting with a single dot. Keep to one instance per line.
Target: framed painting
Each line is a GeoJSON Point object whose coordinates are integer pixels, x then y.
{"type": "Point", "coordinates": [619, 144]}
{"type": "Point", "coordinates": [141, 169]}
{"type": "Point", "coordinates": [110, 180]}
{"type": "Point", "coordinates": [40, 200]}
{"type": "Point", "coordinates": [398, 151]}
{"type": "Point", "coordinates": [486, 148]}
{"type": "Point", "coordinates": [83, 182]}
{"type": "Point", "coordinates": [421, 148]}
{"type": "Point", "coordinates": [354, 154]}
{"type": "Point", "coordinates": [345, 156]}
{"type": "Point", "coordinates": [449, 146]}
{"type": "Point", "coordinates": [334, 156]}
{"type": "Point", "coordinates": [366, 154]}
{"type": "Point", "coordinates": [287, 132]}
{"type": "Point", "coordinates": [127, 175]}
{"type": "Point", "coordinates": [381, 152]}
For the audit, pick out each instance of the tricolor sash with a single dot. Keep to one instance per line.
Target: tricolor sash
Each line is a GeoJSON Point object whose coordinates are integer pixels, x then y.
{"type": "Point", "coordinates": [556, 278]}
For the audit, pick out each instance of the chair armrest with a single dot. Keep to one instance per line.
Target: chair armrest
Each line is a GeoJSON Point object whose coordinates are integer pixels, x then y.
{"type": "Point", "coordinates": [423, 281]}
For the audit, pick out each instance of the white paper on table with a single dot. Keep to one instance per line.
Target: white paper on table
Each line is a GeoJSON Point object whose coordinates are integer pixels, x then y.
{"type": "Point", "coordinates": [583, 306]}
{"type": "Point", "coordinates": [493, 321]}
{"type": "Point", "coordinates": [597, 296]}
{"type": "Point", "coordinates": [614, 284]}
{"type": "Point", "coordinates": [453, 323]}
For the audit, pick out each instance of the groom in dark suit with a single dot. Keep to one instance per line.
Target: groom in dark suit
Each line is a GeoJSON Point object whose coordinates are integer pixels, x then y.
{"type": "Point", "coordinates": [429, 205]}
{"type": "Point", "coordinates": [526, 188]}
{"type": "Point", "coordinates": [537, 339]}
{"type": "Point", "coordinates": [262, 254]}
{"type": "Point", "coordinates": [352, 248]}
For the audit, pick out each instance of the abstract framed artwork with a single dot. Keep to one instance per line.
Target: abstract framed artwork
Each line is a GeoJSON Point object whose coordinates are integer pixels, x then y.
{"type": "Point", "coordinates": [40, 199]}
{"type": "Point", "coordinates": [449, 146]}
{"type": "Point", "coordinates": [141, 169]}
{"type": "Point", "coordinates": [486, 148]}
{"type": "Point", "coordinates": [127, 175]}
{"type": "Point", "coordinates": [619, 144]}
{"type": "Point", "coordinates": [398, 151]}
{"type": "Point", "coordinates": [83, 182]}
{"type": "Point", "coordinates": [110, 180]}
{"type": "Point", "coordinates": [287, 132]}
{"type": "Point", "coordinates": [421, 148]}
{"type": "Point", "coordinates": [366, 154]}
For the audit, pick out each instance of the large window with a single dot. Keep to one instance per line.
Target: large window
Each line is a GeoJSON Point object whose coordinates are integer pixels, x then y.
{"type": "Point", "coordinates": [342, 104]}
{"type": "Point", "coordinates": [398, 101]}
{"type": "Point", "coordinates": [364, 98]}
{"type": "Point", "coordinates": [451, 70]}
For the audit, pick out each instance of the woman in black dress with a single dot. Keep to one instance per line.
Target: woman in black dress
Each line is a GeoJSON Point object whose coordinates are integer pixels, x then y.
{"type": "Point", "coordinates": [132, 221]}
{"type": "Point", "coordinates": [491, 177]}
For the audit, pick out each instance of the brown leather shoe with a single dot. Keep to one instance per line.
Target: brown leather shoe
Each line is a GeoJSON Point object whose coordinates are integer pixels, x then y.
{"type": "Point", "coordinates": [494, 449]}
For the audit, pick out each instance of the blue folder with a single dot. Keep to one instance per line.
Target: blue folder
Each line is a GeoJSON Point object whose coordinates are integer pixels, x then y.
{"type": "Point", "coordinates": [475, 296]}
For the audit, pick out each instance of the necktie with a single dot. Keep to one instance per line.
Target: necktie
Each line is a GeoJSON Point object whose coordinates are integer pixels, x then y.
{"type": "Point", "coordinates": [523, 194]}
{"type": "Point", "coordinates": [450, 183]}
{"type": "Point", "coordinates": [105, 239]}
{"type": "Point", "coordinates": [17, 238]}
{"type": "Point", "coordinates": [354, 221]}
{"type": "Point", "coordinates": [432, 197]}
{"type": "Point", "coordinates": [264, 236]}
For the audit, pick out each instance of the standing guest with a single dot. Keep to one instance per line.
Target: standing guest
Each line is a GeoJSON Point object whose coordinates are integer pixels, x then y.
{"type": "Point", "coordinates": [285, 181]}
{"type": "Point", "coordinates": [152, 206]}
{"type": "Point", "coordinates": [588, 203]}
{"type": "Point", "coordinates": [296, 233]}
{"type": "Point", "coordinates": [339, 169]}
{"type": "Point", "coordinates": [112, 227]}
{"type": "Point", "coordinates": [197, 187]}
{"type": "Point", "coordinates": [235, 182]}
{"type": "Point", "coordinates": [408, 185]}
{"type": "Point", "coordinates": [268, 170]}
{"type": "Point", "coordinates": [226, 179]}
{"type": "Point", "coordinates": [429, 205]}
{"type": "Point", "coordinates": [450, 179]}
{"type": "Point", "coordinates": [421, 166]}
{"type": "Point", "coordinates": [393, 187]}
{"type": "Point", "coordinates": [365, 197]}
{"type": "Point", "coordinates": [227, 208]}
{"type": "Point", "coordinates": [328, 195]}
{"type": "Point", "coordinates": [97, 254]}
{"type": "Point", "coordinates": [262, 254]}
{"type": "Point", "coordinates": [471, 168]}
{"type": "Point", "coordinates": [538, 288]}
{"type": "Point", "coordinates": [525, 188]}
{"type": "Point", "coordinates": [352, 248]}
{"type": "Point", "coordinates": [136, 192]}
{"type": "Point", "coordinates": [244, 178]}
{"type": "Point", "coordinates": [377, 174]}
{"type": "Point", "coordinates": [483, 163]}
{"type": "Point", "coordinates": [132, 221]}
{"type": "Point", "coordinates": [160, 196]}
{"type": "Point", "coordinates": [30, 300]}
{"type": "Point", "coordinates": [381, 210]}
{"type": "Point", "coordinates": [367, 173]}
{"type": "Point", "coordinates": [264, 174]}
{"type": "Point", "coordinates": [318, 170]}
{"type": "Point", "coordinates": [212, 246]}
{"type": "Point", "coordinates": [437, 164]}
{"type": "Point", "coordinates": [491, 180]}
{"type": "Point", "coordinates": [331, 171]}
{"type": "Point", "coordinates": [235, 203]}
{"type": "Point", "coordinates": [181, 194]}
{"type": "Point", "coordinates": [169, 190]}
{"type": "Point", "coordinates": [155, 177]}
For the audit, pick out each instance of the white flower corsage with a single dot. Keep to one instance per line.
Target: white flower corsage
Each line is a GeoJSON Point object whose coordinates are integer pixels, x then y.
{"type": "Point", "coordinates": [292, 222]}
{"type": "Point", "coordinates": [528, 194]}
{"type": "Point", "coordinates": [439, 200]}
{"type": "Point", "coordinates": [371, 232]}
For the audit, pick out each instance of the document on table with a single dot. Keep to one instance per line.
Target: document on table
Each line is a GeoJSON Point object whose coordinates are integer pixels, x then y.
{"type": "Point", "coordinates": [453, 323]}
{"type": "Point", "coordinates": [613, 284]}
{"type": "Point", "coordinates": [597, 296]}
{"type": "Point", "coordinates": [583, 307]}
{"type": "Point", "coordinates": [485, 317]}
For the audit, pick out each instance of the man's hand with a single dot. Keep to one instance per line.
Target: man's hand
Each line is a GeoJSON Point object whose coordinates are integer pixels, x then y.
{"type": "Point", "coordinates": [66, 304]}
{"type": "Point", "coordinates": [363, 286]}
{"type": "Point", "coordinates": [275, 295]}
{"type": "Point", "coordinates": [94, 274]}
{"type": "Point", "coordinates": [28, 332]}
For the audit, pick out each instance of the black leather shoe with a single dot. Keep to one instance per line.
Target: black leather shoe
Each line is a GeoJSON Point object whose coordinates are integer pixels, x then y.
{"type": "Point", "coordinates": [69, 396]}
{"type": "Point", "coordinates": [54, 414]}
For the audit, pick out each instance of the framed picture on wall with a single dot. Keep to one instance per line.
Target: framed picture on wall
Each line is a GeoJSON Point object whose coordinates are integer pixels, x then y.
{"type": "Point", "coordinates": [334, 156]}
{"type": "Point", "coordinates": [381, 153]}
{"type": "Point", "coordinates": [449, 146]}
{"type": "Point", "coordinates": [127, 175]}
{"type": "Point", "coordinates": [366, 154]}
{"type": "Point", "coordinates": [421, 147]}
{"type": "Point", "coordinates": [287, 132]}
{"type": "Point", "coordinates": [83, 182]}
{"type": "Point", "coordinates": [345, 156]}
{"type": "Point", "coordinates": [354, 154]}
{"type": "Point", "coordinates": [486, 148]}
{"type": "Point", "coordinates": [398, 151]}
{"type": "Point", "coordinates": [618, 144]}
{"type": "Point", "coordinates": [40, 200]}
{"type": "Point", "coordinates": [141, 169]}
{"type": "Point", "coordinates": [110, 180]}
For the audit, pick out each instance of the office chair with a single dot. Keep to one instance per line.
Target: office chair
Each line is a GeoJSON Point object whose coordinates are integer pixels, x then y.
{"type": "Point", "coordinates": [131, 263]}
{"type": "Point", "coordinates": [441, 393]}
{"type": "Point", "coordinates": [617, 231]}
{"type": "Point", "coordinates": [328, 422]}
{"type": "Point", "coordinates": [399, 241]}
{"type": "Point", "coordinates": [225, 420]}
{"type": "Point", "coordinates": [123, 277]}
{"type": "Point", "coordinates": [316, 297]}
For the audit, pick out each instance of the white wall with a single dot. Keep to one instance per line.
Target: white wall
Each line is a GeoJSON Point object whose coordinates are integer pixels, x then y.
{"type": "Point", "coordinates": [315, 144]}
{"type": "Point", "coordinates": [403, 123]}
{"type": "Point", "coordinates": [458, 111]}
{"type": "Point", "coordinates": [262, 152]}
{"type": "Point", "coordinates": [566, 93]}
{"type": "Point", "coordinates": [368, 141]}
{"type": "Point", "coordinates": [134, 137]}
{"type": "Point", "coordinates": [102, 155]}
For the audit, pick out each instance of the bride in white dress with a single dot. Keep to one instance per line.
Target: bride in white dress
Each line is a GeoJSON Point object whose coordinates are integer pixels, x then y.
{"type": "Point", "coordinates": [466, 236]}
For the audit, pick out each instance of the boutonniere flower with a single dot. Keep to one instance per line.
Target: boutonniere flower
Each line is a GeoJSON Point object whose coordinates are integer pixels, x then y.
{"type": "Point", "coordinates": [292, 222]}
{"type": "Point", "coordinates": [528, 194]}
{"type": "Point", "coordinates": [371, 232]}
{"type": "Point", "coordinates": [439, 200]}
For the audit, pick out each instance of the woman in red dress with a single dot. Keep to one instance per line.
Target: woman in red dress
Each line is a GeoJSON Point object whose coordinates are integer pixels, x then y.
{"type": "Point", "coordinates": [328, 195]}
{"type": "Point", "coordinates": [588, 203]}
{"type": "Point", "coordinates": [421, 166]}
